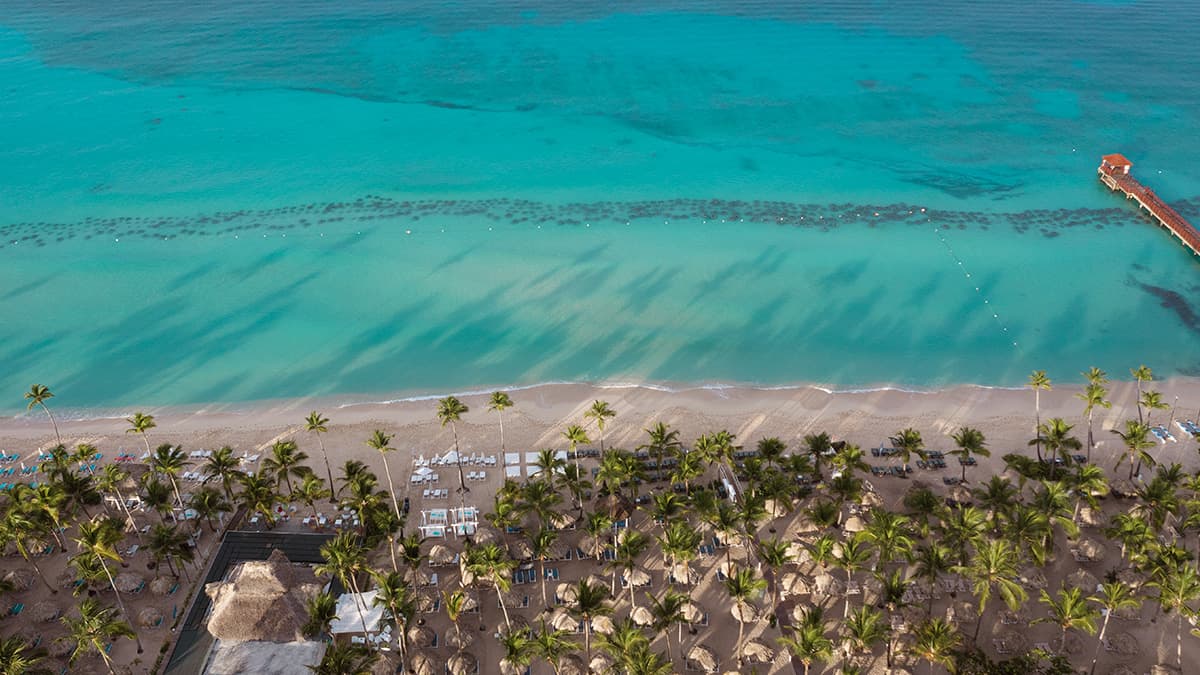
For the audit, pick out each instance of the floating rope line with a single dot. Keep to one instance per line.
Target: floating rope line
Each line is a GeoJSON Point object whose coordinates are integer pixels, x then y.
{"type": "Point", "coordinates": [967, 274]}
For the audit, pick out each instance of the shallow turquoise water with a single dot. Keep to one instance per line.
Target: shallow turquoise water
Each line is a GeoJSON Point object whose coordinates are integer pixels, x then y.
{"type": "Point", "coordinates": [240, 202]}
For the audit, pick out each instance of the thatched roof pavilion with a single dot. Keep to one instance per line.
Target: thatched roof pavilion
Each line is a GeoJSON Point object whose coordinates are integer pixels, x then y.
{"type": "Point", "coordinates": [262, 600]}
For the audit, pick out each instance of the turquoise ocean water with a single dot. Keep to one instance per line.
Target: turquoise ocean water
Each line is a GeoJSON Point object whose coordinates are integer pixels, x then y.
{"type": "Point", "coordinates": [257, 199]}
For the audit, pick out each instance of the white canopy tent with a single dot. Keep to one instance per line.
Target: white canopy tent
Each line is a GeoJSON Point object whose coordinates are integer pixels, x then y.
{"type": "Point", "coordinates": [348, 619]}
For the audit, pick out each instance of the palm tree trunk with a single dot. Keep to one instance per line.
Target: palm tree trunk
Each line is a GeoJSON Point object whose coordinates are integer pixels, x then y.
{"type": "Point", "coordinates": [587, 639]}
{"type": "Point", "coordinates": [738, 646]}
{"type": "Point", "coordinates": [545, 602]}
{"type": "Point", "coordinates": [55, 424]}
{"type": "Point", "coordinates": [391, 488]}
{"type": "Point", "coordinates": [120, 602]}
{"type": "Point", "coordinates": [25, 554]}
{"type": "Point", "coordinates": [128, 515]}
{"type": "Point", "coordinates": [1179, 639]}
{"type": "Point", "coordinates": [501, 430]}
{"type": "Point", "coordinates": [325, 456]}
{"type": "Point", "coordinates": [978, 625]}
{"type": "Point", "coordinates": [1062, 643]}
{"type": "Point", "coordinates": [391, 549]}
{"type": "Point", "coordinates": [107, 661]}
{"type": "Point", "coordinates": [1037, 406]}
{"type": "Point", "coordinates": [500, 598]}
{"type": "Point", "coordinates": [1091, 440]}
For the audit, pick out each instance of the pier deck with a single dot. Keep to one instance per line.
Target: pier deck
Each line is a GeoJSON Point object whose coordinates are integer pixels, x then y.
{"type": "Point", "coordinates": [1114, 172]}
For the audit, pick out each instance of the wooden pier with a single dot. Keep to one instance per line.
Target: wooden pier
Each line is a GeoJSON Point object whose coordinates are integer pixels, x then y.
{"type": "Point", "coordinates": [1114, 172]}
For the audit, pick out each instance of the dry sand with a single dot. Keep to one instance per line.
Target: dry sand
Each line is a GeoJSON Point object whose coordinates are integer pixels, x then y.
{"type": "Point", "coordinates": [542, 413]}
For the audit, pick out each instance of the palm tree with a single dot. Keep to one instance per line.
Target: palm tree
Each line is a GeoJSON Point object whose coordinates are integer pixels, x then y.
{"type": "Point", "coordinates": [667, 612]}
{"type": "Point", "coordinates": [17, 657]}
{"type": "Point", "coordinates": [258, 495]}
{"type": "Point", "coordinates": [1093, 396]}
{"type": "Point", "coordinates": [934, 642]}
{"type": "Point", "coordinates": [322, 610]}
{"type": "Point", "coordinates": [933, 560]}
{"type": "Point", "coordinates": [550, 466]}
{"type": "Point", "coordinates": [1177, 588]}
{"type": "Point", "coordinates": [1152, 400]}
{"type": "Point", "coordinates": [542, 542]}
{"type": "Point", "coordinates": [908, 442]}
{"type": "Point", "coordinates": [817, 445]}
{"type": "Point", "coordinates": [140, 424]}
{"type": "Point", "coordinates": [312, 490]}
{"type": "Point", "coordinates": [97, 540]}
{"type": "Point", "coordinates": [630, 546]}
{"type": "Point", "coordinates": [1055, 436]}
{"type": "Point", "coordinates": [352, 471]}
{"type": "Point", "coordinates": [808, 642]}
{"type": "Point", "coordinates": [998, 495]}
{"type": "Point", "coordinates": [450, 411]}
{"type": "Point", "coordinates": [851, 557]}
{"type": "Point", "coordinates": [344, 559]}
{"type": "Point", "coordinates": [1069, 610]}
{"type": "Point", "coordinates": [170, 543]}
{"type": "Point", "coordinates": [318, 425]}
{"type": "Point", "coordinates": [381, 442]}
{"type": "Point", "coordinates": [456, 604]}
{"type": "Point", "coordinates": [491, 563]}
{"type": "Point", "coordinates": [208, 504]}
{"type": "Point", "coordinates": [891, 533]}
{"type": "Point", "coordinates": [601, 413]}
{"type": "Point", "coordinates": [168, 460]}
{"type": "Point", "coordinates": [742, 587]}
{"type": "Point", "coordinates": [774, 554]}
{"type": "Point", "coordinates": [38, 395]}
{"type": "Point", "coordinates": [1142, 374]}
{"type": "Point", "coordinates": [591, 600]}
{"type": "Point", "coordinates": [1136, 438]}
{"type": "Point", "coordinates": [500, 402]}
{"type": "Point", "coordinates": [394, 595]}
{"type": "Point", "coordinates": [1087, 483]}
{"type": "Point", "coordinates": [662, 440]}
{"type": "Point", "coordinates": [109, 480]}
{"type": "Point", "coordinates": [969, 442]}
{"type": "Point", "coordinates": [96, 627]}
{"type": "Point", "coordinates": [1114, 596]}
{"type": "Point", "coordinates": [574, 435]}
{"type": "Point", "coordinates": [345, 659]}
{"type": "Point", "coordinates": [223, 466]}
{"type": "Point", "coordinates": [286, 460]}
{"type": "Point", "coordinates": [678, 543]}
{"type": "Point", "coordinates": [518, 649]}
{"type": "Point", "coordinates": [994, 566]}
{"type": "Point", "coordinates": [18, 528]}
{"type": "Point", "coordinates": [552, 645]}
{"type": "Point", "coordinates": [864, 629]}
{"type": "Point", "coordinates": [1038, 382]}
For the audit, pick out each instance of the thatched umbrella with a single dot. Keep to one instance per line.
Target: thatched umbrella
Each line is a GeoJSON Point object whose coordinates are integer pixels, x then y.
{"type": "Point", "coordinates": [1128, 575]}
{"type": "Point", "coordinates": [961, 611]}
{"type": "Point", "coordinates": [508, 668]}
{"type": "Point", "coordinates": [520, 549]}
{"type": "Point", "coordinates": [693, 613]}
{"type": "Point", "coordinates": [642, 616]}
{"type": "Point", "coordinates": [44, 611]}
{"type": "Point", "coordinates": [421, 636]}
{"type": "Point", "coordinates": [615, 506]}
{"type": "Point", "coordinates": [424, 602]}
{"type": "Point", "coordinates": [794, 583]}
{"type": "Point", "coordinates": [387, 663]}
{"type": "Point", "coordinates": [150, 617]}
{"type": "Point", "coordinates": [1124, 644]}
{"type": "Point", "coordinates": [1163, 669]}
{"type": "Point", "coordinates": [593, 546]}
{"type": "Point", "coordinates": [1122, 487]}
{"type": "Point", "coordinates": [572, 664]}
{"type": "Point", "coordinates": [459, 639]}
{"type": "Point", "coordinates": [775, 508]}
{"type": "Point", "coordinates": [416, 577]}
{"type": "Point", "coordinates": [1122, 670]}
{"type": "Point", "coordinates": [561, 521]}
{"type": "Point", "coordinates": [484, 535]}
{"type": "Point", "coordinates": [1089, 517]}
{"type": "Point", "coordinates": [827, 584]}
{"type": "Point", "coordinates": [603, 625]}
{"type": "Point", "coordinates": [470, 602]}
{"type": "Point", "coordinates": [128, 582]}
{"type": "Point", "coordinates": [601, 663]}
{"type": "Point", "coordinates": [636, 577]}
{"type": "Point", "coordinates": [560, 620]}
{"type": "Point", "coordinates": [853, 525]}
{"type": "Point", "coordinates": [871, 500]}
{"type": "Point", "coordinates": [162, 585]}
{"type": "Point", "coordinates": [757, 652]}
{"type": "Point", "coordinates": [422, 663]}
{"type": "Point", "coordinates": [684, 574]}
{"type": "Point", "coordinates": [568, 593]}
{"type": "Point", "coordinates": [961, 494]}
{"type": "Point", "coordinates": [1011, 618]}
{"type": "Point", "coordinates": [66, 578]}
{"type": "Point", "coordinates": [440, 555]}
{"type": "Point", "coordinates": [797, 552]}
{"type": "Point", "coordinates": [1129, 613]}
{"type": "Point", "coordinates": [1009, 642]}
{"type": "Point", "coordinates": [1089, 549]}
{"type": "Point", "coordinates": [1083, 579]}
{"type": "Point", "coordinates": [22, 579]}
{"type": "Point", "coordinates": [461, 663]}
{"type": "Point", "coordinates": [743, 611]}
{"type": "Point", "coordinates": [703, 658]}
{"type": "Point", "coordinates": [597, 580]}
{"type": "Point", "coordinates": [60, 648]}
{"type": "Point", "coordinates": [1034, 579]}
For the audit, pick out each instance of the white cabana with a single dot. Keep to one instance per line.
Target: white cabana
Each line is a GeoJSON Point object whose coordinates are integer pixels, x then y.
{"type": "Point", "coordinates": [512, 458]}
{"type": "Point", "coordinates": [512, 472]}
{"type": "Point", "coordinates": [348, 618]}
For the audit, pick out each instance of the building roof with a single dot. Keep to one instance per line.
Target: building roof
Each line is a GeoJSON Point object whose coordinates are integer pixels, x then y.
{"type": "Point", "coordinates": [1116, 159]}
{"type": "Point", "coordinates": [262, 658]}
{"type": "Point", "coordinates": [348, 619]}
{"type": "Point", "coordinates": [262, 600]}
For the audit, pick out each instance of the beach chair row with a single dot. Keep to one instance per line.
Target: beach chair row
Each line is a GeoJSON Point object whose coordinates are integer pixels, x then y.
{"type": "Point", "coordinates": [435, 493]}
{"type": "Point", "coordinates": [898, 471]}
{"type": "Point", "coordinates": [5, 458]}
{"type": "Point", "coordinates": [477, 475]}
{"type": "Point", "coordinates": [417, 479]}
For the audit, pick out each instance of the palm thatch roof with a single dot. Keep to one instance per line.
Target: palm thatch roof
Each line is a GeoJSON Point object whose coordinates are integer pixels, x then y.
{"type": "Point", "coordinates": [603, 625]}
{"type": "Point", "coordinates": [422, 663]}
{"type": "Point", "coordinates": [441, 555]}
{"type": "Point", "coordinates": [21, 579]}
{"type": "Point", "coordinates": [692, 613]}
{"type": "Point", "coordinates": [162, 585]}
{"type": "Point", "coordinates": [44, 611]}
{"type": "Point", "coordinates": [421, 636]}
{"type": "Point", "coordinates": [560, 620]}
{"type": "Point", "coordinates": [150, 617]}
{"type": "Point", "coordinates": [743, 611]}
{"type": "Point", "coordinates": [614, 506]}
{"type": "Point", "coordinates": [262, 600]}
{"type": "Point", "coordinates": [461, 663]}
{"type": "Point", "coordinates": [642, 616]}
{"type": "Point", "coordinates": [758, 652]}
{"type": "Point", "coordinates": [702, 659]}
{"type": "Point", "coordinates": [128, 582]}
